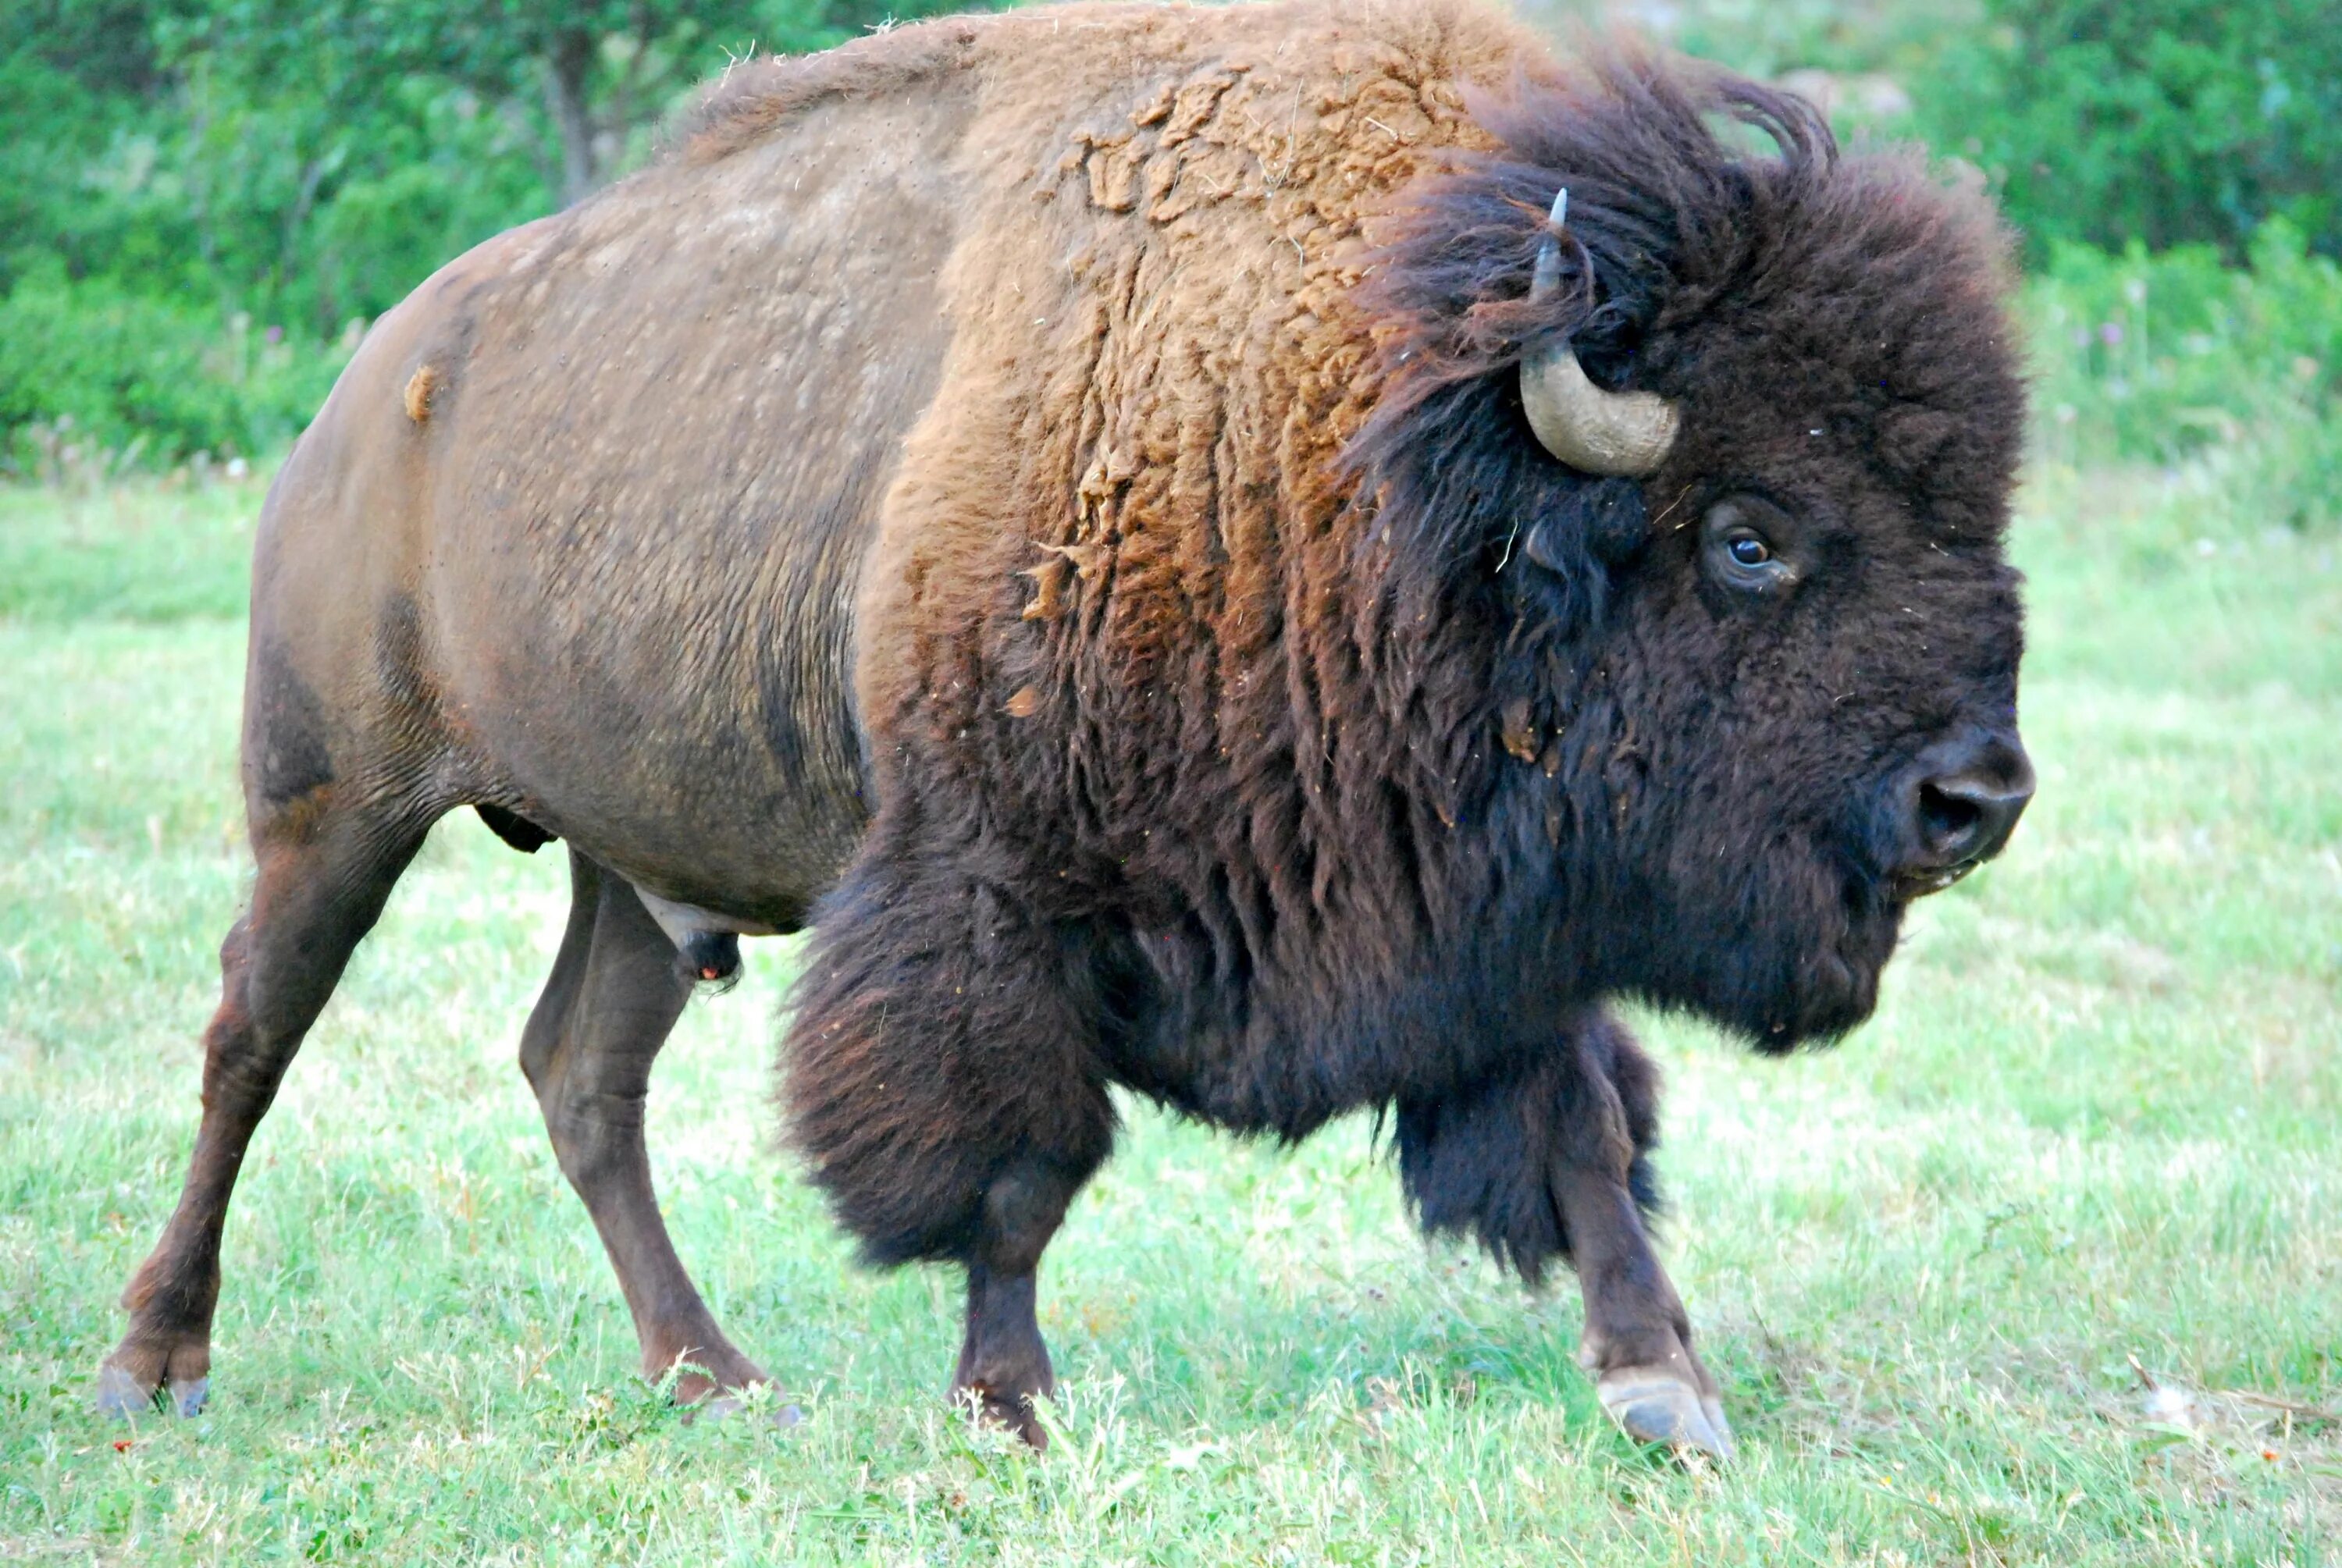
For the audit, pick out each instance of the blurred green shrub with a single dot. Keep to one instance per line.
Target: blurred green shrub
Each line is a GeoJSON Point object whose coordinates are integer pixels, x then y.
{"type": "Point", "coordinates": [2160, 121]}
{"type": "Point", "coordinates": [2168, 122]}
{"type": "Point", "coordinates": [2167, 359]}
{"type": "Point", "coordinates": [147, 379]}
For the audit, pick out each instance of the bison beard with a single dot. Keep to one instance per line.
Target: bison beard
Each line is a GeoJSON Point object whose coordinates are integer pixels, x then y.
{"type": "Point", "coordinates": [1048, 498]}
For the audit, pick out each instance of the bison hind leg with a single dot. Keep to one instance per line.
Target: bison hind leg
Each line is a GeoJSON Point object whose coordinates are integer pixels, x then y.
{"type": "Point", "coordinates": [587, 1051]}
{"type": "Point", "coordinates": [326, 862]}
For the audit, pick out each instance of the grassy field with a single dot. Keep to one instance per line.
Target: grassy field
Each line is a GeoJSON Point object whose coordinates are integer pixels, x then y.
{"type": "Point", "coordinates": [2044, 1266]}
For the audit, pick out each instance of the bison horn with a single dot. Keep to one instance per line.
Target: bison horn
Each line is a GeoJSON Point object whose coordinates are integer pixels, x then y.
{"type": "Point", "coordinates": [1616, 435]}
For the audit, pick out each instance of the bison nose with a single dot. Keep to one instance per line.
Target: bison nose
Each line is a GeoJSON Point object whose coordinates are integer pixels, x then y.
{"type": "Point", "coordinates": [1970, 793]}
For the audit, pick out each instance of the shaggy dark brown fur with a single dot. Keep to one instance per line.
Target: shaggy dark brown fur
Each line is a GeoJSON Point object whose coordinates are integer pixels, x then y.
{"type": "Point", "coordinates": [1370, 744]}
{"type": "Point", "coordinates": [1262, 721]}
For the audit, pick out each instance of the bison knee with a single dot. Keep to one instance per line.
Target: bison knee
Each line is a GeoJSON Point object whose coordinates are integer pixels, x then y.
{"type": "Point", "coordinates": [941, 1068]}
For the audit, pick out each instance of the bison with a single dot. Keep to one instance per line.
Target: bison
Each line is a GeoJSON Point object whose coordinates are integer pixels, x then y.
{"type": "Point", "coordinates": [1277, 557]}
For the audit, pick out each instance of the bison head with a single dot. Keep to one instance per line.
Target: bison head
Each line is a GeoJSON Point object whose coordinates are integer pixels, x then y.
{"type": "Point", "coordinates": [1712, 448]}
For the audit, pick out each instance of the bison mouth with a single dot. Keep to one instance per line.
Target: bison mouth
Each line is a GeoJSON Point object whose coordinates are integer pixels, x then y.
{"type": "Point", "coordinates": [1839, 988]}
{"type": "Point", "coordinates": [1910, 887]}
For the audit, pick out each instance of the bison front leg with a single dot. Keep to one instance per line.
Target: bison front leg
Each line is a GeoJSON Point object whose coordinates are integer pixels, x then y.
{"type": "Point", "coordinates": [1004, 1363]}
{"type": "Point", "coordinates": [943, 1085]}
{"type": "Point", "coordinates": [1554, 1161]}
{"type": "Point", "coordinates": [1637, 1339]}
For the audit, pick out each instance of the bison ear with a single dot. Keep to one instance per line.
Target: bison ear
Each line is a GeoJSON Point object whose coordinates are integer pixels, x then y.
{"type": "Point", "coordinates": [1603, 519]}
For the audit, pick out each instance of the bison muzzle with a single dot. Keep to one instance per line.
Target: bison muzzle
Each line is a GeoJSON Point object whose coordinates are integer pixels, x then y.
{"type": "Point", "coordinates": [1279, 557]}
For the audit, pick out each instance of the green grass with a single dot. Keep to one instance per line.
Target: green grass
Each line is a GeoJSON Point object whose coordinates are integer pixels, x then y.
{"type": "Point", "coordinates": [145, 551]}
{"type": "Point", "coordinates": [2086, 1152]}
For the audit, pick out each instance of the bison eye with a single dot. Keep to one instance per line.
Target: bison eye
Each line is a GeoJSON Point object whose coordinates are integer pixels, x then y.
{"type": "Point", "coordinates": [1740, 553]}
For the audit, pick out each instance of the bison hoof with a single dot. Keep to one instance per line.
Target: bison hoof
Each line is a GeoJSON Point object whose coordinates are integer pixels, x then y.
{"type": "Point", "coordinates": [1656, 1404]}
{"type": "Point", "coordinates": [1009, 1413]}
{"type": "Point", "coordinates": [716, 1386]}
{"type": "Point", "coordinates": [122, 1392]}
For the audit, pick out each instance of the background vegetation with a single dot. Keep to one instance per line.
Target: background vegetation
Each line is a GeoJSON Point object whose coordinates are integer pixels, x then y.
{"type": "Point", "coordinates": [202, 202]}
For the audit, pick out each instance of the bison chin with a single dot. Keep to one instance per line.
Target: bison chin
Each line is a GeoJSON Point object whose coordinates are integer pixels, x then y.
{"type": "Point", "coordinates": [1787, 955]}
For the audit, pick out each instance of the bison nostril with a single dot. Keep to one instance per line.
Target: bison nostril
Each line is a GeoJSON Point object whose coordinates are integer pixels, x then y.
{"type": "Point", "coordinates": [1951, 822]}
{"type": "Point", "coordinates": [1970, 789]}
{"type": "Point", "coordinates": [1967, 817]}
